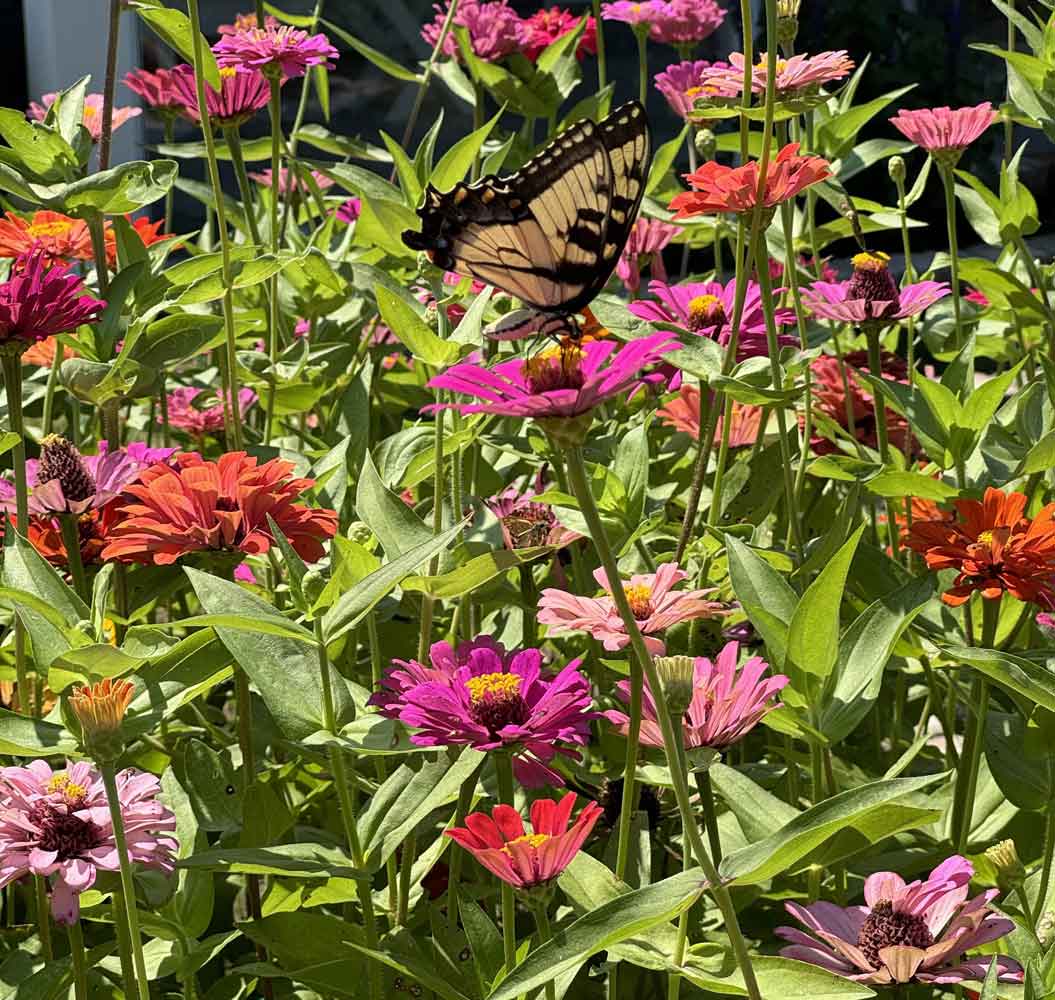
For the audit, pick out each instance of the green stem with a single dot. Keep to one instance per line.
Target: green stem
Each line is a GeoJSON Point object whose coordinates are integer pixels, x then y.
{"type": "Point", "coordinates": [97, 231]}
{"type": "Point", "coordinates": [128, 890]}
{"type": "Point", "coordinates": [1049, 854]}
{"type": "Point", "coordinates": [124, 946]}
{"type": "Point", "coordinates": [77, 959]}
{"type": "Point", "coordinates": [671, 740]}
{"type": "Point", "coordinates": [71, 540]}
{"type": "Point", "coordinates": [948, 183]}
{"type": "Point", "coordinates": [1009, 125]}
{"type": "Point", "coordinates": [710, 816]}
{"type": "Point", "coordinates": [545, 933]}
{"type": "Point", "coordinates": [168, 123]}
{"type": "Point", "coordinates": [504, 771]}
{"type": "Point", "coordinates": [681, 941]}
{"type": "Point", "coordinates": [406, 867]}
{"type": "Point", "coordinates": [457, 853]}
{"type": "Point", "coordinates": [40, 888]}
{"type": "Point", "coordinates": [479, 117]}
{"type": "Point", "coordinates": [245, 189]}
{"type": "Point", "coordinates": [49, 392]}
{"type": "Point", "coordinates": [234, 431]}
{"type": "Point", "coordinates": [641, 34]}
{"type": "Point", "coordinates": [109, 85]}
{"type": "Point", "coordinates": [602, 74]}
{"type": "Point", "coordinates": [275, 109]}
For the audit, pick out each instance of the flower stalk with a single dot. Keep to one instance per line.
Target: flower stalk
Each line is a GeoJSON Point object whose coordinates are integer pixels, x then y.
{"type": "Point", "coordinates": [504, 773]}
{"type": "Point", "coordinates": [275, 110]}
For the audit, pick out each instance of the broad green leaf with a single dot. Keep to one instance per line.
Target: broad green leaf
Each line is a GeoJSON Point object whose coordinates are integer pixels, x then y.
{"type": "Point", "coordinates": [455, 163]}
{"type": "Point", "coordinates": [1015, 673]}
{"type": "Point", "coordinates": [779, 977]}
{"type": "Point", "coordinates": [174, 28]}
{"type": "Point", "coordinates": [296, 860]}
{"type": "Point", "coordinates": [408, 177]}
{"type": "Point", "coordinates": [21, 736]}
{"type": "Point", "coordinates": [124, 188]}
{"type": "Point", "coordinates": [397, 527]}
{"type": "Point", "coordinates": [379, 59]}
{"type": "Point", "coordinates": [663, 160]}
{"type": "Point", "coordinates": [911, 484]}
{"type": "Point", "coordinates": [475, 573]}
{"type": "Point", "coordinates": [41, 148]}
{"type": "Point", "coordinates": [764, 594]}
{"type": "Point", "coordinates": [1026, 778]}
{"type": "Point", "coordinates": [410, 329]}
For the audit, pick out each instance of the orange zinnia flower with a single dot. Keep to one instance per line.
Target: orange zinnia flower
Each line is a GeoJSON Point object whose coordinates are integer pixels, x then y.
{"type": "Point", "coordinates": [994, 547]}
{"type": "Point", "coordinates": [55, 235]}
{"type": "Point", "coordinates": [43, 353]}
{"type": "Point", "coordinates": [718, 188]}
{"type": "Point", "coordinates": [192, 505]}
{"type": "Point", "coordinates": [683, 414]}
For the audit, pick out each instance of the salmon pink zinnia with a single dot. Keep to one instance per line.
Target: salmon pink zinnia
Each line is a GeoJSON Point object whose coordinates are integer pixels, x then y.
{"type": "Point", "coordinates": [91, 116]}
{"type": "Point", "coordinates": [683, 414]}
{"type": "Point", "coordinates": [525, 860]}
{"type": "Point", "coordinates": [56, 236]}
{"type": "Point", "coordinates": [945, 132]}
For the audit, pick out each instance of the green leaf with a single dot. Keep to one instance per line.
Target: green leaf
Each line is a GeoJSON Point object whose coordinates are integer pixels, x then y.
{"type": "Point", "coordinates": [663, 160]}
{"type": "Point", "coordinates": [124, 188]}
{"type": "Point", "coordinates": [1026, 778]}
{"type": "Point", "coordinates": [381, 224]}
{"type": "Point", "coordinates": [1040, 457]}
{"type": "Point", "coordinates": [173, 27]}
{"type": "Point", "coordinates": [174, 338]}
{"type": "Point", "coordinates": [295, 860]}
{"type": "Point", "coordinates": [485, 942]}
{"type": "Point", "coordinates": [40, 148]}
{"type": "Point", "coordinates": [475, 573]}
{"type": "Point", "coordinates": [766, 597]}
{"type": "Point", "coordinates": [88, 664]}
{"type": "Point", "coordinates": [779, 977]}
{"type": "Point", "coordinates": [21, 736]}
{"type": "Point", "coordinates": [408, 176]}
{"type": "Point", "coordinates": [379, 59]}
{"type": "Point", "coordinates": [410, 329]}
{"type": "Point", "coordinates": [1014, 673]}
{"type": "Point", "coordinates": [397, 527]}
{"type": "Point", "coordinates": [910, 484]}
{"type": "Point", "coordinates": [455, 163]}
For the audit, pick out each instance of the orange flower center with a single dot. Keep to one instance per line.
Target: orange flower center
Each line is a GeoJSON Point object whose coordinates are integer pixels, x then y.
{"type": "Point", "coordinates": [535, 840]}
{"type": "Point", "coordinates": [639, 595]}
{"type": "Point", "coordinates": [56, 228]}
{"type": "Point", "coordinates": [705, 312]}
{"type": "Point", "coordinates": [89, 111]}
{"type": "Point", "coordinates": [557, 367]}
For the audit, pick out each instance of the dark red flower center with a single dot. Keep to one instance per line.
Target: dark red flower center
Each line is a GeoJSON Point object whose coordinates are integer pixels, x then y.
{"type": "Point", "coordinates": [60, 831]}
{"type": "Point", "coordinates": [873, 282]}
{"type": "Point", "coordinates": [60, 460]}
{"type": "Point", "coordinates": [496, 701]}
{"type": "Point", "coordinates": [228, 504]}
{"type": "Point", "coordinates": [885, 927]}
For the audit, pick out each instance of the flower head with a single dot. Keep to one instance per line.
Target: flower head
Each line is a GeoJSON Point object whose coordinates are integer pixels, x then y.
{"type": "Point", "coordinates": [100, 709]}
{"type": "Point", "coordinates": [39, 301]}
{"type": "Point", "coordinates": [242, 93]}
{"type": "Point", "coordinates": [290, 183]}
{"type": "Point", "coordinates": [526, 860]}
{"type": "Point", "coordinates": [994, 547]}
{"type": "Point", "coordinates": [92, 115]}
{"type": "Point", "coordinates": [683, 414]}
{"type": "Point", "coordinates": [644, 247]}
{"type": "Point", "coordinates": [495, 29]}
{"type": "Point", "coordinates": [482, 696]}
{"type": "Point", "coordinates": [57, 824]}
{"type": "Point", "coordinates": [727, 701]}
{"type": "Point", "coordinates": [54, 235]}
{"type": "Point", "coordinates": [686, 22]}
{"type": "Point", "coordinates": [243, 22]}
{"type": "Point", "coordinates": [945, 132]}
{"type": "Point", "coordinates": [42, 353]}
{"type": "Point", "coordinates": [797, 75]}
{"type": "Point", "coordinates": [916, 932]}
{"type": "Point", "coordinates": [646, 12]}
{"type": "Point", "coordinates": [199, 412]}
{"type": "Point", "coordinates": [707, 307]}
{"type": "Point", "coordinates": [545, 26]}
{"type": "Point", "coordinates": [718, 188]}
{"type": "Point", "coordinates": [275, 50]}
{"type": "Point", "coordinates": [193, 506]}
{"type": "Point", "coordinates": [156, 89]}
{"type": "Point", "coordinates": [655, 604]}
{"type": "Point", "coordinates": [682, 83]}
{"type": "Point", "coordinates": [348, 211]}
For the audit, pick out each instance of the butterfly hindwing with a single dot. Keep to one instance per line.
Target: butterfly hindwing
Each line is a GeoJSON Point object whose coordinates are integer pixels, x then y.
{"type": "Point", "coordinates": [551, 233]}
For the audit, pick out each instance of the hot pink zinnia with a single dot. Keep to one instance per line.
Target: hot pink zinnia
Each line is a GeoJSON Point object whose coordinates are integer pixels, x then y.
{"type": "Point", "coordinates": [57, 824]}
{"type": "Point", "coordinates": [727, 701]}
{"type": "Point", "coordinates": [545, 26]}
{"type": "Point", "coordinates": [643, 248]}
{"type": "Point", "coordinates": [653, 600]}
{"type": "Point", "coordinates": [681, 83]}
{"type": "Point", "coordinates": [349, 210]}
{"type": "Point", "coordinates": [156, 90]}
{"type": "Point", "coordinates": [647, 12]}
{"type": "Point", "coordinates": [201, 420]}
{"type": "Point", "coordinates": [945, 132]}
{"type": "Point", "coordinates": [916, 932]}
{"type": "Point", "coordinates": [525, 860]}
{"type": "Point", "coordinates": [92, 115]}
{"type": "Point", "coordinates": [482, 696]}
{"type": "Point", "coordinates": [686, 22]}
{"type": "Point", "coordinates": [280, 51]}
{"type": "Point", "coordinates": [706, 308]}
{"type": "Point", "coordinates": [41, 300]}
{"type": "Point", "coordinates": [495, 29]}
{"type": "Point", "coordinates": [243, 92]}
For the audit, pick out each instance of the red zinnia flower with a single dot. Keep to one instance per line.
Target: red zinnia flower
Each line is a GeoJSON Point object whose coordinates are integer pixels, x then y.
{"type": "Point", "coordinates": [994, 547]}
{"type": "Point", "coordinates": [545, 26]}
{"type": "Point", "coordinates": [718, 188]}
{"type": "Point", "coordinates": [195, 505]}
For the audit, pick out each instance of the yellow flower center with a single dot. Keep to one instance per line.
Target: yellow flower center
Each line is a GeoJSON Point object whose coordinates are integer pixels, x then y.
{"type": "Point", "coordinates": [493, 686]}
{"type": "Point", "coordinates": [89, 111]}
{"type": "Point", "coordinates": [639, 596]}
{"type": "Point", "coordinates": [985, 537]}
{"type": "Point", "coordinates": [535, 840]}
{"type": "Point", "coordinates": [706, 311]}
{"type": "Point", "coordinates": [70, 790]}
{"type": "Point", "coordinates": [870, 261]}
{"type": "Point", "coordinates": [228, 72]}
{"type": "Point", "coordinates": [57, 228]}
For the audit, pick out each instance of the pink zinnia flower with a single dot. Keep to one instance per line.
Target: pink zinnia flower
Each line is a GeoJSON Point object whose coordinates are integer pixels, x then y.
{"type": "Point", "coordinates": [348, 211]}
{"type": "Point", "coordinates": [288, 181]}
{"type": "Point", "coordinates": [199, 420]}
{"type": "Point", "coordinates": [644, 247]}
{"type": "Point", "coordinates": [243, 573]}
{"type": "Point", "coordinates": [156, 89]}
{"type": "Point", "coordinates": [57, 824]}
{"type": "Point", "coordinates": [653, 600]}
{"type": "Point", "coordinates": [525, 860]}
{"type": "Point", "coordinates": [945, 132]}
{"type": "Point", "coordinates": [795, 75]}
{"type": "Point", "coordinates": [647, 12]}
{"type": "Point", "coordinates": [482, 696]}
{"type": "Point", "coordinates": [243, 92]}
{"type": "Point", "coordinates": [686, 22]}
{"type": "Point", "coordinates": [727, 702]}
{"type": "Point", "coordinates": [275, 50]}
{"type": "Point", "coordinates": [545, 26]}
{"type": "Point", "coordinates": [916, 932]}
{"type": "Point", "coordinates": [682, 83]}
{"type": "Point", "coordinates": [525, 523]}
{"type": "Point", "coordinates": [91, 116]}
{"type": "Point", "coordinates": [560, 382]}
{"type": "Point", "coordinates": [706, 308]}
{"type": "Point", "coordinates": [871, 295]}
{"type": "Point", "coordinates": [977, 298]}
{"type": "Point", "coordinates": [683, 414]}
{"type": "Point", "coordinates": [42, 299]}
{"type": "Point", "coordinates": [495, 29]}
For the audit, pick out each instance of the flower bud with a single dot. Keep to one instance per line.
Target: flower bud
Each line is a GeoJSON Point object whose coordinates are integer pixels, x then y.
{"type": "Point", "coordinates": [787, 29]}
{"type": "Point", "coordinates": [61, 461]}
{"type": "Point", "coordinates": [706, 143]}
{"type": "Point", "coordinates": [100, 709]}
{"type": "Point", "coordinates": [312, 584]}
{"type": "Point", "coordinates": [676, 681]}
{"type": "Point", "coordinates": [1010, 872]}
{"type": "Point", "coordinates": [897, 170]}
{"type": "Point", "coordinates": [360, 533]}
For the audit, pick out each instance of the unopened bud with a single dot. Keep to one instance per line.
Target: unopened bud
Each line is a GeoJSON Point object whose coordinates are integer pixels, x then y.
{"type": "Point", "coordinates": [100, 709]}
{"type": "Point", "coordinates": [676, 681]}
{"type": "Point", "coordinates": [706, 143]}
{"type": "Point", "coordinates": [787, 29]}
{"type": "Point", "coordinates": [897, 170]}
{"type": "Point", "coordinates": [360, 533]}
{"type": "Point", "coordinates": [313, 583]}
{"type": "Point", "coordinates": [788, 8]}
{"type": "Point", "coordinates": [1010, 872]}
{"type": "Point", "coordinates": [61, 461]}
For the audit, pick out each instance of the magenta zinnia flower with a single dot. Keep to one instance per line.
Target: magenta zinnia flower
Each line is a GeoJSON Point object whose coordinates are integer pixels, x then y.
{"type": "Point", "coordinates": [156, 89]}
{"type": "Point", "coordinates": [706, 308]}
{"type": "Point", "coordinates": [682, 83]}
{"type": "Point", "coordinates": [279, 51]}
{"type": "Point", "coordinates": [495, 29]}
{"type": "Point", "coordinates": [727, 702]}
{"type": "Point", "coordinates": [197, 419]}
{"type": "Point", "coordinates": [91, 116]}
{"type": "Point", "coordinates": [647, 12]}
{"type": "Point", "coordinates": [57, 824]}
{"type": "Point", "coordinates": [945, 132]}
{"type": "Point", "coordinates": [686, 22]}
{"type": "Point", "coordinates": [348, 211]}
{"type": "Point", "coordinates": [40, 301]}
{"type": "Point", "coordinates": [644, 247]}
{"type": "Point", "coordinates": [243, 92]}
{"type": "Point", "coordinates": [655, 603]}
{"type": "Point", "coordinates": [482, 696]}
{"type": "Point", "coordinates": [871, 295]}
{"type": "Point", "coordinates": [525, 860]}
{"type": "Point", "coordinates": [917, 932]}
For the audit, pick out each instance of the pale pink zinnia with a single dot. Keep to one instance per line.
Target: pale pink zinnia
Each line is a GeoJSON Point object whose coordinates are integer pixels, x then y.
{"type": "Point", "coordinates": [945, 132]}
{"type": "Point", "coordinates": [91, 116]}
{"type": "Point", "coordinates": [289, 181]}
{"type": "Point", "coordinates": [526, 860]}
{"type": "Point", "coordinates": [686, 22]}
{"type": "Point", "coordinates": [56, 824]}
{"type": "Point", "coordinates": [644, 247]}
{"type": "Point", "coordinates": [727, 702]}
{"type": "Point", "coordinates": [655, 604]}
{"type": "Point", "coordinates": [186, 413]}
{"type": "Point", "coordinates": [917, 932]}
{"type": "Point", "coordinates": [795, 75]}
{"type": "Point", "coordinates": [279, 51]}
{"type": "Point", "coordinates": [495, 30]}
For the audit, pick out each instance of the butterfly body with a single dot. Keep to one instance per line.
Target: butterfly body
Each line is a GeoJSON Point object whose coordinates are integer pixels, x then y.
{"type": "Point", "coordinates": [551, 233]}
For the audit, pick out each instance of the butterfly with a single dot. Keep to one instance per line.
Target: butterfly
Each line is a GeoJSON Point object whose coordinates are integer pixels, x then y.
{"type": "Point", "coordinates": [551, 233]}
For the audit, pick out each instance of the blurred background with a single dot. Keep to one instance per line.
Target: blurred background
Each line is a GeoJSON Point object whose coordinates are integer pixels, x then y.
{"type": "Point", "coordinates": [46, 44]}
